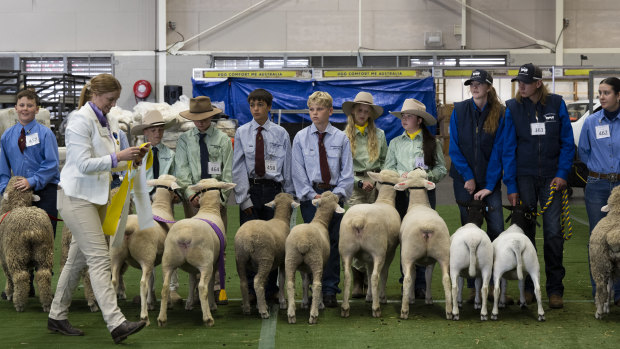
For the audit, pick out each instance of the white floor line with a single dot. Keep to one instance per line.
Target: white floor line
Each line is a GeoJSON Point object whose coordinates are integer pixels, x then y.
{"type": "Point", "coordinates": [268, 329]}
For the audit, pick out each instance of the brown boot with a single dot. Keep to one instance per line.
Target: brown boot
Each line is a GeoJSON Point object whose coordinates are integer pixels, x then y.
{"type": "Point", "coordinates": [556, 302]}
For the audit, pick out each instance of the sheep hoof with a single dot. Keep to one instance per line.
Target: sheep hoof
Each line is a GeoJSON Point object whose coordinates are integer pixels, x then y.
{"type": "Point", "coordinates": [344, 312]}
{"type": "Point", "coordinates": [448, 316]}
{"type": "Point", "coordinates": [493, 316]}
{"type": "Point", "coordinates": [461, 304]}
{"type": "Point", "coordinates": [292, 319]}
{"type": "Point", "coordinates": [19, 308]}
{"type": "Point", "coordinates": [523, 305]}
{"type": "Point", "coordinates": [209, 322]}
{"type": "Point", "coordinates": [146, 319]}
{"type": "Point", "coordinates": [484, 317]}
{"type": "Point", "coordinates": [368, 298]}
{"type": "Point", "coordinates": [121, 296]}
{"type": "Point", "coordinates": [93, 308]}
{"type": "Point", "coordinates": [283, 305]}
{"type": "Point", "coordinates": [606, 308]}
{"type": "Point", "coordinates": [477, 306]}
{"type": "Point", "coordinates": [264, 315]}
{"type": "Point", "coordinates": [429, 301]}
{"type": "Point", "coordinates": [46, 308]}
{"type": "Point", "coordinates": [404, 315]}
{"type": "Point", "coordinates": [313, 319]}
{"type": "Point", "coordinates": [161, 322]}
{"type": "Point", "coordinates": [304, 305]}
{"type": "Point", "coordinates": [501, 305]}
{"type": "Point", "coordinates": [455, 317]}
{"type": "Point", "coordinates": [598, 315]}
{"type": "Point", "coordinates": [541, 317]}
{"type": "Point", "coordinates": [246, 310]}
{"type": "Point", "coordinates": [376, 313]}
{"type": "Point", "coordinates": [383, 300]}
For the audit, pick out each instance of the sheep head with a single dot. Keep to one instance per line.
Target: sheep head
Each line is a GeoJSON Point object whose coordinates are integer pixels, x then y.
{"type": "Point", "coordinates": [415, 179]}
{"type": "Point", "coordinates": [385, 176]}
{"type": "Point", "coordinates": [522, 216]}
{"type": "Point", "coordinates": [167, 182]}
{"type": "Point", "coordinates": [476, 210]}
{"type": "Point", "coordinates": [326, 198]}
{"type": "Point", "coordinates": [613, 202]}
{"type": "Point", "coordinates": [210, 183]}
{"type": "Point", "coordinates": [283, 199]}
{"type": "Point", "coordinates": [16, 198]}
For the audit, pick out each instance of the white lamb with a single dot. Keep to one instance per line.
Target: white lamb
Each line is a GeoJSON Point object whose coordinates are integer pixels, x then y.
{"type": "Point", "coordinates": [424, 240]}
{"type": "Point", "coordinates": [143, 248]}
{"type": "Point", "coordinates": [514, 253]}
{"type": "Point", "coordinates": [605, 253]}
{"type": "Point", "coordinates": [471, 255]}
{"type": "Point", "coordinates": [369, 233]}
{"type": "Point", "coordinates": [307, 249]}
{"type": "Point", "coordinates": [259, 246]}
{"type": "Point", "coordinates": [193, 245]}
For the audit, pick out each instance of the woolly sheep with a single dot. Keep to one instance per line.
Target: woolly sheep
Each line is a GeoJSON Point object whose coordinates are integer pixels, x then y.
{"type": "Point", "coordinates": [369, 233]}
{"type": "Point", "coordinates": [194, 246]}
{"type": "Point", "coordinates": [424, 239]}
{"type": "Point", "coordinates": [605, 253]}
{"type": "Point", "coordinates": [143, 248]}
{"type": "Point", "coordinates": [307, 250]}
{"type": "Point", "coordinates": [26, 241]}
{"type": "Point", "coordinates": [259, 246]}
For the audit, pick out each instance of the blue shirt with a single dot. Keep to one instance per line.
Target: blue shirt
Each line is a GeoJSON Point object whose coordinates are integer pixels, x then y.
{"type": "Point", "coordinates": [601, 154]}
{"type": "Point", "coordinates": [277, 148]}
{"type": "Point", "coordinates": [306, 166]}
{"type": "Point", "coordinates": [39, 162]}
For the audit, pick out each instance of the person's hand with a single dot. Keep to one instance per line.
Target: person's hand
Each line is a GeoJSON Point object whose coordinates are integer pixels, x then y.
{"type": "Point", "coordinates": [22, 184]}
{"type": "Point", "coordinates": [560, 183]}
{"type": "Point", "coordinates": [367, 186]}
{"type": "Point", "coordinates": [196, 201]}
{"type": "Point", "coordinates": [317, 196]}
{"type": "Point", "coordinates": [470, 186]}
{"type": "Point", "coordinates": [482, 194]}
{"type": "Point", "coordinates": [248, 211]}
{"type": "Point", "coordinates": [131, 153]}
{"type": "Point", "coordinates": [513, 199]}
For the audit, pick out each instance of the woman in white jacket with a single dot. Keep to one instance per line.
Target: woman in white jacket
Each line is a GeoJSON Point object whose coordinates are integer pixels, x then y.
{"type": "Point", "coordinates": [93, 152]}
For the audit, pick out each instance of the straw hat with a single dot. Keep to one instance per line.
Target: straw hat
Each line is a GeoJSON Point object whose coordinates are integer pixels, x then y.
{"type": "Point", "coordinates": [200, 108]}
{"type": "Point", "coordinates": [362, 98]}
{"type": "Point", "coordinates": [150, 119]}
{"type": "Point", "coordinates": [415, 107]}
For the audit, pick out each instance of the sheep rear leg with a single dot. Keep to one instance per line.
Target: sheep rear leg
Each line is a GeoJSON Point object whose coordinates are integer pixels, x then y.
{"type": "Point", "coordinates": [408, 280]}
{"type": "Point", "coordinates": [457, 283]}
{"type": "Point", "coordinates": [243, 285]}
{"type": "Point", "coordinates": [445, 280]}
{"type": "Point", "coordinates": [21, 282]}
{"type": "Point", "coordinates": [191, 294]}
{"type": "Point", "coordinates": [43, 278]}
{"type": "Point", "coordinates": [205, 294]}
{"type": "Point", "coordinates": [290, 292]}
{"type": "Point", "coordinates": [305, 283]}
{"type": "Point", "coordinates": [536, 281]}
{"type": "Point", "coordinates": [260, 279]}
{"type": "Point", "coordinates": [281, 283]}
{"type": "Point", "coordinates": [162, 319]}
{"type": "Point", "coordinates": [345, 307]}
{"type": "Point", "coordinates": [428, 276]}
{"type": "Point", "coordinates": [144, 285]}
{"type": "Point", "coordinates": [317, 295]}
{"type": "Point", "coordinates": [374, 284]}
{"type": "Point", "coordinates": [497, 283]}
{"type": "Point", "coordinates": [483, 290]}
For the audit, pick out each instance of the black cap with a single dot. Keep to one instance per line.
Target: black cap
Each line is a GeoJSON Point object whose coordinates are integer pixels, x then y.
{"type": "Point", "coordinates": [528, 73]}
{"type": "Point", "coordinates": [480, 75]}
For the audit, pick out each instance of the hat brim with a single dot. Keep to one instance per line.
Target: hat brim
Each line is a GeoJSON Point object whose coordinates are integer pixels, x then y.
{"type": "Point", "coordinates": [525, 79]}
{"type": "Point", "coordinates": [482, 81]}
{"type": "Point", "coordinates": [429, 120]}
{"type": "Point", "coordinates": [347, 108]}
{"type": "Point", "coordinates": [200, 116]}
{"type": "Point", "coordinates": [138, 130]}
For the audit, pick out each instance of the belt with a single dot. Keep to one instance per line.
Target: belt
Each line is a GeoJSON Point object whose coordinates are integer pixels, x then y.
{"type": "Point", "coordinates": [612, 177]}
{"type": "Point", "coordinates": [323, 186]}
{"type": "Point", "coordinates": [363, 173]}
{"type": "Point", "coordinates": [263, 182]}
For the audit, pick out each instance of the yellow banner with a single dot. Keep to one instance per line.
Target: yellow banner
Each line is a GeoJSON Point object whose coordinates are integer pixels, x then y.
{"type": "Point", "coordinates": [464, 73]}
{"type": "Point", "coordinates": [369, 73]}
{"type": "Point", "coordinates": [251, 74]}
{"type": "Point", "coordinates": [576, 72]}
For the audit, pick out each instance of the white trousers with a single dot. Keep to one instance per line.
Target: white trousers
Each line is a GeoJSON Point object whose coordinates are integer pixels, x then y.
{"type": "Point", "coordinates": [88, 247]}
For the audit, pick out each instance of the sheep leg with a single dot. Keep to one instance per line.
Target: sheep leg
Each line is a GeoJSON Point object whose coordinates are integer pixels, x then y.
{"type": "Point", "coordinates": [408, 280]}
{"type": "Point", "coordinates": [609, 298]}
{"type": "Point", "coordinates": [165, 293]}
{"type": "Point", "coordinates": [290, 290]}
{"type": "Point", "coordinates": [243, 285]}
{"type": "Point", "coordinates": [484, 292]}
{"type": "Point", "coordinates": [189, 302]}
{"type": "Point", "coordinates": [305, 285]}
{"type": "Point", "coordinates": [374, 284]}
{"type": "Point", "coordinates": [281, 283]}
{"type": "Point", "coordinates": [151, 299]}
{"type": "Point", "coordinates": [497, 282]}
{"type": "Point", "coordinates": [317, 295]}
{"type": "Point", "coordinates": [345, 307]}
{"type": "Point", "coordinates": [445, 272]}
{"type": "Point", "coordinates": [428, 275]}
{"type": "Point", "coordinates": [457, 283]}
{"type": "Point", "coordinates": [536, 281]}
{"type": "Point", "coordinates": [144, 280]}
{"type": "Point", "coordinates": [8, 286]}
{"type": "Point", "coordinates": [204, 293]}
{"type": "Point", "coordinates": [384, 276]}
{"type": "Point", "coordinates": [477, 300]}
{"type": "Point", "coordinates": [43, 278]}
{"type": "Point", "coordinates": [21, 282]}
{"type": "Point", "coordinates": [260, 280]}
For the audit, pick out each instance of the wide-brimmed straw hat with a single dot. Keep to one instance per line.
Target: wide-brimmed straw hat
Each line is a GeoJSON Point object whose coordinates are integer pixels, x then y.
{"type": "Point", "coordinates": [415, 107]}
{"type": "Point", "coordinates": [152, 118]}
{"type": "Point", "coordinates": [362, 98]}
{"type": "Point", "coordinates": [200, 108]}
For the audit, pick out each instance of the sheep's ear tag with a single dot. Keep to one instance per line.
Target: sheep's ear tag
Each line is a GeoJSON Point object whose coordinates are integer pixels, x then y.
{"type": "Point", "coordinates": [36, 198]}
{"type": "Point", "coordinates": [295, 204]}
{"type": "Point", "coordinates": [429, 185]}
{"type": "Point", "coordinates": [339, 209]}
{"type": "Point", "coordinates": [603, 209]}
{"type": "Point", "coordinates": [271, 204]}
{"type": "Point", "coordinates": [315, 202]}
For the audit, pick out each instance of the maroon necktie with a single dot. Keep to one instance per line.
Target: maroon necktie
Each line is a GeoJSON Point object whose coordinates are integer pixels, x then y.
{"type": "Point", "coordinates": [259, 159]}
{"type": "Point", "coordinates": [21, 141]}
{"type": "Point", "coordinates": [325, 175]}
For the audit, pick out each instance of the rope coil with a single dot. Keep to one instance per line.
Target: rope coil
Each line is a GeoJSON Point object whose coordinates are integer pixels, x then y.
{"type": "Point", "coordinates": [567, 224]}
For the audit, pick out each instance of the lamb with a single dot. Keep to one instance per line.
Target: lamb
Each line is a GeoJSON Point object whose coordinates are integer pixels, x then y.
{"type": "Point", "coordinates": [26, 241]}
{"type": "Point", "coordinates": [605, 253]}
{"type": "Point", "coordinates": [424, 239]}
{"type": "Point", "coordinates": [194, 245]}
{"type": "Point", "coordinates": [369, 232]}
{"type": "Point", "coordinates": [471, 255]}
{"type": "Point", "coordinates": [259, 246]}
{"type": "Point", "coordinates": [143, 248]}
{"type": "Point", "coordinates": [307, 250]}
{"type": "Point", "coordinates": [513, 252]}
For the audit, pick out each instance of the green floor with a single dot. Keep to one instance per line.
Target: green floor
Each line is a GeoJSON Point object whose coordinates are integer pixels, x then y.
{"type": "Point", "coordinates": [571, 327]}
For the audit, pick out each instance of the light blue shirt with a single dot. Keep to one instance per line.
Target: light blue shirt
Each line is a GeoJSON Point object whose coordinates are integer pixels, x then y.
{"type": "Point", "coordinates": [600, 153]}
{"type": "Point", "coordinates": [277, 149]}
{"type": "Point", "coordinates": [124, 143]}
{"type": "Point", "coordinates": [165, 156]}
{"type": "Point", "coordinates": [306, 166]}
{"type": "Point", "coordinates": [39, 162]}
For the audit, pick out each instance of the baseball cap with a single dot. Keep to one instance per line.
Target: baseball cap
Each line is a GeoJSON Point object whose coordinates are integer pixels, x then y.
{"type": "Point", "coordinates": [528, 73]}
{"type": "Point", "coordinates": [480, 75]}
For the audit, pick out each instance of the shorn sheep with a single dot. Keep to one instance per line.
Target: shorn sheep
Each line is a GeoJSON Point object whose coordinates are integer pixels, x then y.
{"type": "Point", "coordinates": [194, 245]}
{"type": "Point", "coordinates": [369, 233]}
{"type": "Point", "coordinates": [514, 253]}
{"type": "Point", "coordinates": [471, 255]}
{"type": "Point", "coordinates": [605, 253]}
{"type": "Point", "coordinates": [424, 239]}
{"type": "Point", "coordinates": [307, 250]}
{"type": "Point", "coordinates": [143, 248]}
{"type": "Point", "coordinates": [259, 246]}
{"type": "Point", "coordinates": [26, 241]}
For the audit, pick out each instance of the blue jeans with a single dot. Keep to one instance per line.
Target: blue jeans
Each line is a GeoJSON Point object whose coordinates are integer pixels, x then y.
{"type": "Point", "coordinates": [331, 273]}
{"type": "Point", "coordinates": [596, 194]}
{"type": "Point", "coordinates": [260, 195]}
{"type": "Point", "coordinates": [494, 216]}
{"type": "Point", "coordinates": [534, 190]}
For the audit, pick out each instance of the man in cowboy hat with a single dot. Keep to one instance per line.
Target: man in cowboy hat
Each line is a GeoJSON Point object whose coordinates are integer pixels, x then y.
{"type": "Point", "coordinates": [416, 147]}
{"type": "Point", "coordinates": [261, 170]}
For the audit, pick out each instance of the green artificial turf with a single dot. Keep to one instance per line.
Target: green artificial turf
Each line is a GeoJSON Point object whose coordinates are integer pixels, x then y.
{"type": "Point", "coordinates": [571, 327]}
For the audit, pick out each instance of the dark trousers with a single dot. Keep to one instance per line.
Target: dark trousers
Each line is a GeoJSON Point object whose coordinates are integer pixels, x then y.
{"type": "Point", "coordinates": [48, 203]}
{"type": "Point", "coordinates": [260, 194]}
{"type": "Point", "coordinates": [401, 202]}
{"type": "Point", "coordinates": [331, 273]}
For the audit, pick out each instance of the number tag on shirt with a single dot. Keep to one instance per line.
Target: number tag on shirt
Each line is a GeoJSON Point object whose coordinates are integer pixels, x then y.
{"type": "Point", "coordinates": [538, 128]}
{"type": "Point", "coordinates": [419, 162]}
{"type": "Point", "coordinates": [271, 166]}
{"type": "Point", "coordinates": [602, 131]}
{"type": "Point", "coordinates": [215, 168]}
{"type": "Point", "coordinates": [32, 139]}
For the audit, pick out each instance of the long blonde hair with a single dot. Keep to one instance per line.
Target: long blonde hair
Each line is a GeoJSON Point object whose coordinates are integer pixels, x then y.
{"type": "Point", "coordinates": [542, 91]}
{"type": "Point", "coordinates": [495, 111]}
{"type": "Point", "coordinates": [373, 142]}
{"type": "Point", "coordinates": [100, 84]}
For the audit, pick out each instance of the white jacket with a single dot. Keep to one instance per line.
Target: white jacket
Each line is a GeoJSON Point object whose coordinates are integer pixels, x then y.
{"type": "Point", "coordinates": [86, 174]}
